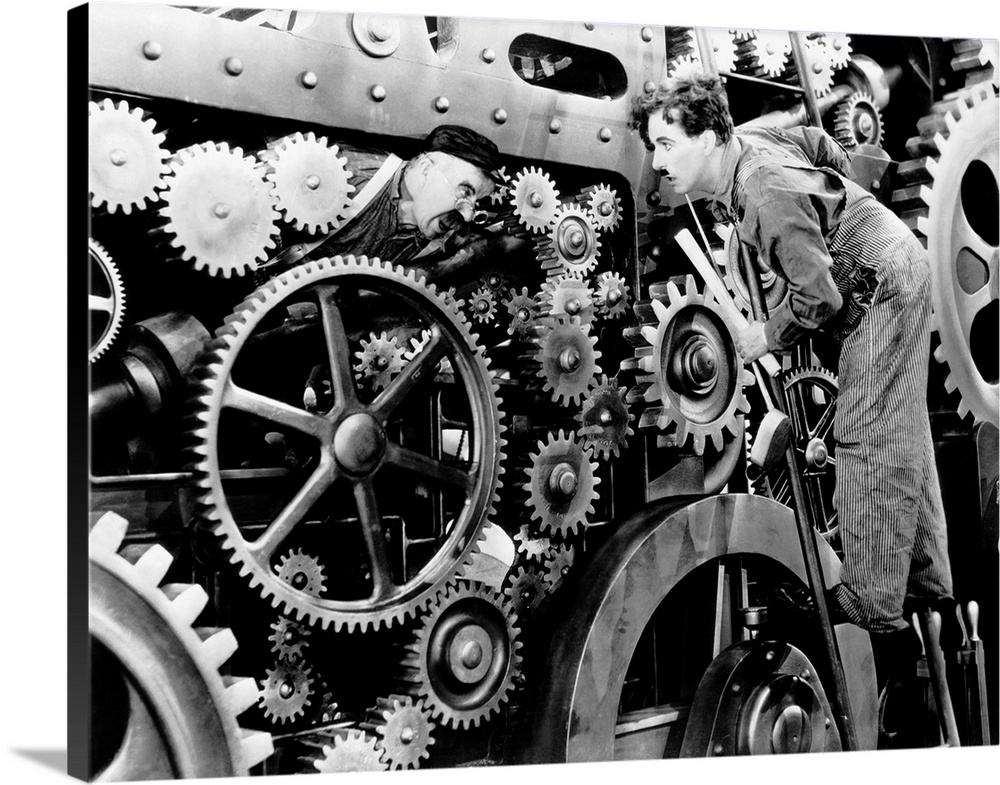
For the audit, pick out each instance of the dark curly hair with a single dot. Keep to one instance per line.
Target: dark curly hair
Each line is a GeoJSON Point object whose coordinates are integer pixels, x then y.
{"type": "Point", "coordinates": [699, 100]}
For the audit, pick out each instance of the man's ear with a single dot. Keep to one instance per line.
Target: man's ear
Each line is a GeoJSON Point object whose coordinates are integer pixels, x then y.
{"type": "Point", "coordinates": [708, 141]}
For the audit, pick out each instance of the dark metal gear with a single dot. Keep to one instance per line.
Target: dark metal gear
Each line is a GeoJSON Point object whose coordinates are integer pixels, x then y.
{"type": "Point", "coordinates": [302, 572]}
{"type": "Point", "coordinates": [558, 565]}
{"type": "Point", "coordinates": [858, 121]}
{"type": "Point", "coordinates": [561, 485]}
{"type": "Point", "coordinates": [404, 730]}
{"type": "Point", "coordinates": [571, 245]}
{"type": "Point", "coordinates": [764, 54]}
{"type": "Point", "coordinates": [182, 713]}
{"type": "Point", "coordinates": [343, 435]}
{"type": "Point", "coordinates": [524, 310]}
{"type": "Point", "coordinates": [351, 750]}
{"type": "Point", "coordinates": [535, 199]}
{"type": "Point", "coordinates": [464, 656]}
{"type": "Point", "coordinates": [501, 192]}
{"type": "Point", "coordinates": [611, 298]}
{"type": "Point", "coordinates": [286, 692]}
{"type": "Point", "coordinates": [483, 305]}
{"type": "Point", "coordinates": [567, 358]}
{"type": "Point", "coordinates": [526, 589]}
{"type": "Point", "coordinates": [604, 419]}
{"type": "Point", "coordinates": [106, 300]}
{"type": "Point", "coordinates": [978, 59]}
{"type": "Point", "coordinates": [566, 295]}
{"type": "Point", "coordinates": [289, 639]}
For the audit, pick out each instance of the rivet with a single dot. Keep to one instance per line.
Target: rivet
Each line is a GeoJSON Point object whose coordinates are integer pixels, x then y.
{"type": "Point", "coordinates": [875, 185]}
{"type": "Point", "coordinates": [647, 34]}
{"type": "Point", "coordinates": [377, 92]}
{"type": "Point", "coordinates": [806, 675]}
{"type": "Point", "coordinates": [555, 126]}
{"type": "Point", "coordinates": [380, 29]}
{"type": "Point", "coordinates": [717, 749]}
{"type": "Point", "coordinates": [649, 86]}
{"type": "Point", "coordinates": [309, 79]}
{"type": "Point", "coordinates": [604, 134]}
{"type": "Point", "coordinates": [656, 252]}
{"type": "Point", "coordinates": [769, 656]}
{"type": "Point", "coordinates": [407, 735]}
{"type": "Point", "coordinates": [589, 25]}
{"type": "Point", "coordinates": [442, 104]}
{"type": "Point", "coordinates": [736, 688]}
{"type": "Point", "coordinates": [234, 66]}
{"type": "Point", "coordinates": [118, 157]}
{"type": "Point", "coordinates": [488, 55]}
{"type": "Point", "coordinates": [221, 210]}
{"type": "Point", "coordinates": [606, 417]}
{"type": "Point", "coordinates": [152, 50]}
{"type": "Point", "coordinates": [499, 116]}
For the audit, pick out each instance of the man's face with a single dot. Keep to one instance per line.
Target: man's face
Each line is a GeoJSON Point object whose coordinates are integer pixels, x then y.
{"type": "Point", "coordinates": [449, 190]}
{"type": "Point", "coordinates": [680, 157]}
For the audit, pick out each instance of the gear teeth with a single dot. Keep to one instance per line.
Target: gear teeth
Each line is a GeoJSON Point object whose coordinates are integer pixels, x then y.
{"type": "Point", "coordinates": [189, 600]}
{"type": "Point", "coordinates": [218, 644]}
{"type": "Point", "coordinates": [241, 693]}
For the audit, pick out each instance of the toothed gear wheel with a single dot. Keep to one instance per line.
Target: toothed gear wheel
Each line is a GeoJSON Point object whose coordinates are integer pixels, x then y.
{"type": "Point", "coordinates": [724, 49]}
{"type": "Point", "coordinates": [127, 159]}
{"type": "Point", "coordinates": [742, 35]}
{"type": "Point", "coordinates": [838, 49]}
{"type": "Point", "coordinates": [182, 713]}
{"type": "Point", "coordinates": [766, 52]}
{"type": "Point", "coordinates": [612, 295]}
{"type": "Point", "coordinates": [680, 41]}
{"type": "Point", "coordinates": [533, 547]}
{"type": "Point", "coordinates": [679, 67]}
{"type": "Point", "coordinates": [106, 300]}
{"type": "Point", "coordinates": [352, 750]}
{"type": "Point", "coordinates": [311, 187]}
{"type": "Point", "coordinates": [524, 310]}
{"type": "Point", "coordinates": [464, 656]}
{"type": "Point", "coordinates": [483, 305]}
{"type": "Point", "coordinates": [604, 207]}
{"type": "Point", "coordinates": [286, 692]}
{"type": "Point", "coordinates": [821, 69]}
{"type": "Point", "coordinates": [501, 191]}
{"type": "Point", "coordinates": [568, 296]}
{"type": "Point", "coordinates": [561, 485]}
{"type": "Point", "coordinates": [337, 433]}
{"type": "Point", "coordinates": [567, 355]}
{"type": "Point", "coordinates": [289, 639]}
{"type": "Point", "coordinates": [404, 730]}
{"type": "Point", "coordinates": [978, 59]}
{"type": "Point", "coordinates": [535, 199]}
{"type": "Point", "coordinates": [526, 590]}
{"type": "Point", "coordinates": [558, 565]}
{"type": "Point", "coordinates": [379, 360]}
{"type": "Point", "coordinates": [774, 287]}
{"type": "Point", "coordinates": [302, 572]}
{"type": "Point", "coordinates": [571, 244]}
{"type": "Point", "coordinates": [858, 121]}
{"type": "Point", "coordinates": [604, 420]}
{"type": "Point", "coordinates": [959, 230]}
{"type": "Point", "coordinates": [219, 209]}
{"type": "Point", "coordinates": [696, 377]}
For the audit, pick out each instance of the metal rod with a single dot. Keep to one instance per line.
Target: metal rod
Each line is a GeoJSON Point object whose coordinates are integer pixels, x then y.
{"type": "Point", "coordinates": [805, 78]}
{"type": "Point", "coordinates": [930, 624]}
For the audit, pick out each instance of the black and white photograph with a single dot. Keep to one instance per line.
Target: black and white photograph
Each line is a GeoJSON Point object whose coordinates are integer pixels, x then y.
{"type": "Point", "coordinates": [465, 391]}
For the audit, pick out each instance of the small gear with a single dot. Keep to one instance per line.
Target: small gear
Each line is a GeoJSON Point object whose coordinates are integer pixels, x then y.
{"type": "Point", "coordinates": [535, 199]}
{"type": "Point", "coordinates": [106, 300]}
{"type": "Point", "coordinates": [311, 187]}
{"type": "Point", "coordinates": [286, 692]}
{"type": "Point", "coordinates": [838, 49]}
{"type": "Point", "coordinates": [604, 419]}
{"type": "Point", "coordinates": [561, 485]}
{"type": "Point", "coordinates": [404, 730]}
{"type": "Point", "coordinates": [219, 209]}
{"type": "Point", "coordinates": [857, 121]}
{"type": "Point", "coordinates": [289, 638]}
{"type": "Point", "coordinates": [495, 282]}
{"type": "Point", "coordinates": [302, 572]}
{"type": "Point", "coordinates": [532, 547]}
{"type": "Point", "coordinates": [558, 565]}
{"type": "Point", "coordinates": [820, 67]}
{"type": "Point", "coordinates": [765, 53]}
{"type": "Point", "coordinates": [127, 158]}
{"type": "Point", "coordinates": [723, 48]}
{"type": "Point", "coordinates": [566, 295]}
{"type": "Point", "coordinates": [567, 358]}
{"type": "Point", "coordinates": [604, 207]}
{"type": "Point", "coordinates": [571, 244]}
{"type": "Point", "coordinates": [380, 359]}
{"type": "Point", "coordinates": [483, 305]}
{"type": "Point", "coordinates": [526, 589]}
{"type": "Point", "coordinates": [464, 656]}
{"type": "Point", "coordinates": [501, 191]}
{"type": "Point", "coordinates": [611, 298]}
{"type": "Point", "coordinates": [352, 750]}
{"type": "Point", "coordinates": [524, 310]}
{"type": "Point", "coordinates": [679, 67]}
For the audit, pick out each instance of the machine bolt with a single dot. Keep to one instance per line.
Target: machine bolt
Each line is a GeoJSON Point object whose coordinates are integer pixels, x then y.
{"type": "Point", "coordinates": [494, 280]}
{"type": "Point", "coordinates": [234, 66]}
{"type": "Point", "coordinates": [655, 252]}
{"type": "Point", "coordinates": [769, 656]}
{"type": "Point", "coordinates": [286, 690]}
{"type": "Point", "coordinates": [536, 200]}
{"type": "Point", "coordinates": [605, 417]}
{"type": "Point", "coordinates": [221, 210]}
{"type": "Point", "coordinates": [647, 34]}
{"type": "Point", "coordinates": [152, 50]}
{"type": "Point", "coordinates": [865, 124]}
{"type": "Point", "coordinates": [817, 453]}
{"type": "Point", "coordinates": [523, 314]}
{"type": "Point", "coordinates": [569, 359]}
{"type": "Point", "coordinates": [499, 116]}
{"type": "Point", "coordinates": [573, 306]}
{"type": "Point", "coordinates": [736, 688]}
{"type": "Point", "coordinates": [380, 28]}
{"type": "Point", "coordinates": [472, 655]}
{"type": "Point", "coordinates": [604, 134]}
{"type": "Point", "coordinates": [309, 79]}
{"type": "Point", "coordinates": [875, 185]}
{"type": "Point", "coordinates": [488, 55]}
{"type": "Point", "coordinates": [806, 675]}
{"type": "Point", "coordinates": [576, 240]}
{"type": "Point", "coordinates": [717, 749]}
{"type": "Point", "coordinates": [563, 480]}
{"type": "Point", "coordinates": [653, 198]}
{"type": "Point", "coordinates": [614, 296]}
{"type": "Point", "coordinates": [442, 104]}
{"type": "Point", "coordinates": [377, 92]}
{"type": "Point", "coordinates": [312, 182]}
{"type": "Point", "coordinates": [407, 735]}
{"type": "Point", "coordinates": [555, 126]}
{"type": "Point", "coordinates": [118, 157]}
{"type": "Point", "coordinates": [648, 86]}
{"type": "Point", "coordinates": [605, 209]}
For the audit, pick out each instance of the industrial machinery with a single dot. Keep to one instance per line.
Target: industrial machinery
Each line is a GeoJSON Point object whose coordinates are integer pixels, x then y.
{"type": "Point", "coordinates": [494, 506]}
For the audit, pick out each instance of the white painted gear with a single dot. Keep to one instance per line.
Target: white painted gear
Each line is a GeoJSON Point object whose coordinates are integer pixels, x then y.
{"type": "Point", "coordinates": [567, 296]}
{"type": "Point", "coordinates": [533, 547]}
{"type": "Point", "coordinates": [526, 589]}
{"type": "Point", "coordinates": [379, 360]}
{"type": "Point", "coordinates": [286, 692]}
{"type": "Point", "coordinates": [604, 419]}
{"type": "Point", "coordinates": [558, 565]}
{"type": "Point", "coordinates": [483, 305]}
{"type": "Point", "coordinates": [524, 310]}
{"type": "Point", "coordinates": [723, 48]}
{"type": "Point", "coordinates": [838, 48]}
{"type": "Point", "coordinates": [302, 572]}
{"type": "Point", "coordinates": [126, 157]}
{"type": "Point", "coordinates": [566, 356]}
{"type": "Point", "coordinates": [501, 190]}
{"type": "Point", "coordinates": [141, 621]}
{"type": "Point", "coordinates": [107, 304]}
{"type": "Point", "coordinates": [612, 295]}
{"type": "Point", "coordinates": [219, 208]}
{"type": "Point", "coordinates": [561, 487]}
{"type": "Point", "coordinates": [535, 199]}
{"type": "Point", "coordinates": [352, 750]}
{"type": "Point", "coordinates": [820, 67]}
{"type": "Point", "coordinates": [766, 52]}
{"type": "Point", "coordinates": [327, 280]}
{"type": "Point", "coordinates": [604, 207]}
{"type": "Point", "coordinates": [857, 121]}
{"type": "Point", "coordinates": [685, 65]}
{"type": "Point", "coordinates": [404, 730]}
{"type": "Point", "coordinates": [743, 35]}
{"type": "Point", "coordinates": [289, 639]}
{"type": "Point", "coordinates": [464, 656]}
{"type": "Point", "coordinates": [311, 188]}
{"type": "Point", "coordinates": [964, 262]}
{"type": "Point", "coordinates": [978, 59]}
{"type": "Point", "coordinates": [696, 377]}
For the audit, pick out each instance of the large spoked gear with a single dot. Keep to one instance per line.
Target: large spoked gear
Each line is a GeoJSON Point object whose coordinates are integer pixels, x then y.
{"type": "Point", "coordinates": [524, 311]}
{"type": "Point", "coordinates": [571, 244]}
{"type": "Point", "coordinates": [604, 419]}
{"type": "Point", "coordinates": [535, 199]}
{"type": "Point", "coordinates": [311, 187]}
{"type": "Point", "coordinates": [379, 360]}
{"type": "Point", "coordinates": [561, 485]}
{"type": "Point", "coordinates": [696, 377]}
{"type": "Point", "coordinates": [483, 305]}
{"type": "Point", "coordinates": [774, 287]}
{"type": "Point", "coordinates": [567, 296]}
{"type": "Point", "coordinates": [567, 355]}
{"type": "Point", "coordinates": [611, 298]}
{"type": "Point", "coordinates": [286, 692]}
{"type": "Point", "coordinates": [857, 121]}
{"type": "Point", "coordinates": [955, 216]}
{"type": "Point", "coordinates": [289, 639]}
{"type": "Point", "coordinates": [219, 209]}
{"type": "Point", "coordinates": [127, 158]}
{"type": "Point", "coordinates": [182, 713]}
{"type": "Point", "coordinates": [302, 572]}
{"type": "Point", "coordinates": [404, 730]}
{"type": "Point", "coordinates": [352, 750]}
{"type": "Point", "coordinates": [106, 300]}
{"type": "Point", "coordinates": [351, 442]}
{"type": "Point", "coordinates": [604, 207]}
{"type": "Point", "coordinates": [464, 656]}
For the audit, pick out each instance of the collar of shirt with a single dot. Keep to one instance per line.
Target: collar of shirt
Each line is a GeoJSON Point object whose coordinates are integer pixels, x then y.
{"type": "Point", "coordinates": [722, 196]}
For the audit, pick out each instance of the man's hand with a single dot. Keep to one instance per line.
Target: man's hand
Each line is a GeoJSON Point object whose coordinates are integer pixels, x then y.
{"type": "Point", "coordinates": [751, 343]}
